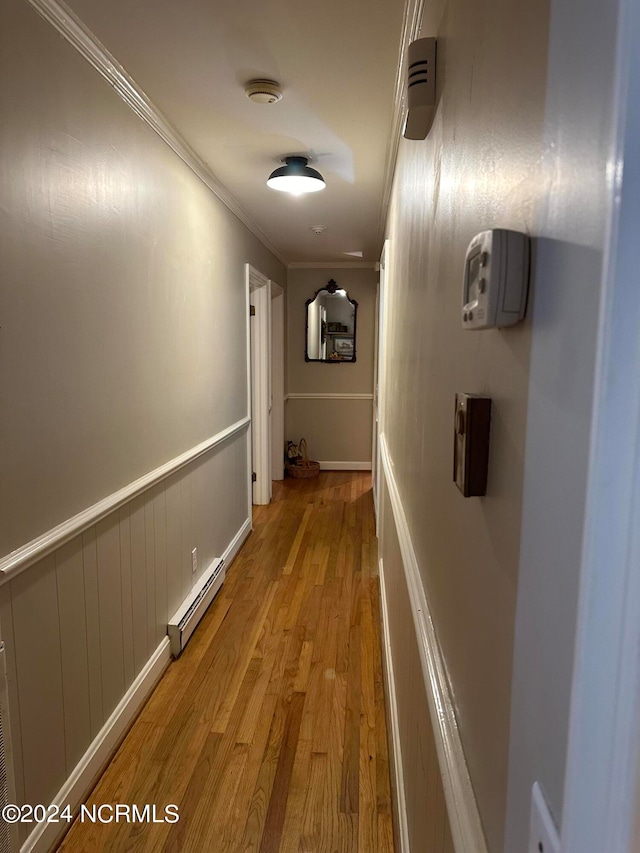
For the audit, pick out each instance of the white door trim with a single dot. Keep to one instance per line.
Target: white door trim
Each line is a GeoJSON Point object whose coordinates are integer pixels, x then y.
{"type": "Point", "coordinates": [602, 790]}
{"type": "Point", "coordinates": [277, 381]}
{"type": "Point", "coordinates": [380, 389]}
{"type": "Point", "coordinates": [259, 381]}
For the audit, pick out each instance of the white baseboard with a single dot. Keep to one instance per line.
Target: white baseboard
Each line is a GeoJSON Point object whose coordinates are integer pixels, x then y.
{"type": "Point", "coordinates": [462, 809]}
{"type": "Point", "coordinates": [394, 728]}
{"type": "Point", "coordinates": [73, 792]}
{"type": "Point", "coordinates": [345, 466]}
{"type": "Point", "coordinates": [236, 543]}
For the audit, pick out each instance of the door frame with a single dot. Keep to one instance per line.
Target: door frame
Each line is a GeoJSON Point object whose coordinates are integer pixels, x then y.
{"type": "Point", "coordinates": [602, 780]}
{"type": "Point", "coordinates": [379, 384]}
{"type": "Point", "coordinates": [258, 293]}
{"type": "Point", "coordinates": [277, 381]}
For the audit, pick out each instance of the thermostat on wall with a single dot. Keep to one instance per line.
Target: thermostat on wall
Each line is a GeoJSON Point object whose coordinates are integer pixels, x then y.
{"type": "Point", "coordinates": [496, 279]}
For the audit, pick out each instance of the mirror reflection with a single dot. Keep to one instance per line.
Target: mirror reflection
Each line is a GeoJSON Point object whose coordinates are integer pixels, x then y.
{"type": "Point", "coordinates": [331, 325]}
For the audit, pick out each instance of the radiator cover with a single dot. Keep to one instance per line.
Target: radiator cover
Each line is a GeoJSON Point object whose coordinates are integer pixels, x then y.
{"type": "Point", "coordinates": [183, 623]}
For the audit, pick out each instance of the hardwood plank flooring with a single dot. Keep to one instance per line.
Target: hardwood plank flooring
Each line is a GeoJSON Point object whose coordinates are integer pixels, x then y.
{"type": "Point", "coordinates": [269, 732]}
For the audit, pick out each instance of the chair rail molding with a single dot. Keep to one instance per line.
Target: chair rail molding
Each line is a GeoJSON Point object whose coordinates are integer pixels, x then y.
{"type": "Point", "coordinates": [328, 396]}
{"type": "Point", "coordinates": [25, 556]}
{"type": "Point", "coordinates": [331, 265]}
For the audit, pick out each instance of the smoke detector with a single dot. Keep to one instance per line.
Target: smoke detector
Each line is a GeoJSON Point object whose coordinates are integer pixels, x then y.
{"type": "Point", "coordinates": [263, 91]}
{"type": "Point", "coordinates": [318, 229]}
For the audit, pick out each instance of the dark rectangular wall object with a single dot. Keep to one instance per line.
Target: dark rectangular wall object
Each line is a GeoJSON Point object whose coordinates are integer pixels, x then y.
{"type": "Point", "coordinates": [472, 422]}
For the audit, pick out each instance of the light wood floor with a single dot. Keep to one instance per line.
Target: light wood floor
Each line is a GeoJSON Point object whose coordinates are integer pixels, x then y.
{"type": "Point", "coordinates": [269, 731]}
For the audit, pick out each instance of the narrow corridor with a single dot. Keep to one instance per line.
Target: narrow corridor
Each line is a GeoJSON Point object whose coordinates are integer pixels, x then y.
{"type": "Point", "coordinates": [269, 731]}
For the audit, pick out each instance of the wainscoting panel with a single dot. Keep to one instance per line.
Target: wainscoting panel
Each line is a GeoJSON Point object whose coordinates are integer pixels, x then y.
{"type": "Point", "coordinates": [337, 426]}
{"type": "Point", "coordinates": [110, 612]}
{"type": "Point", "coordinates": [139, 583]}
{"type": "Point", "coordinates": [85, 625]}
{"type": "Point", "coordinates": [441, 805]}
{"type": "Point", "coordinates": [39, 668]}
{"type": "Point", "coordinates": [73, 647]}
{"type": "Point", "coordinates": [126, 594]}
{"type": "Point", "coordinates": [426, 822]}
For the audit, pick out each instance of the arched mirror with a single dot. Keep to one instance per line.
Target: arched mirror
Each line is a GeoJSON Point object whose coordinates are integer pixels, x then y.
{"type": "Point", "coordinates": [331, 326]}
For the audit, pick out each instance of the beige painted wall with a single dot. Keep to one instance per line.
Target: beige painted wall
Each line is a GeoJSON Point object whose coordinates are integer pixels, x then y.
{"type": "Point", "coordinates": [478, 169]}
{"type": "Point", "coordinates": [122, 299]}
{"type": "Point", "coordinates": [336, 430]}
{"type": "Point", "coordinates": [122, 345]}
{"type": "Point", "coordinates": [520, 140]}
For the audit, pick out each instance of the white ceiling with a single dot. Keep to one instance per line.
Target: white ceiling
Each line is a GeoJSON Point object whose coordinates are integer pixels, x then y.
{"type": "Point", "coordinates": [336, 61]}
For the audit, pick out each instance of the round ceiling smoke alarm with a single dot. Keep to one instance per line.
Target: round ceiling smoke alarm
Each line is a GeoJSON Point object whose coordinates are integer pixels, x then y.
{"type": "Point", "coordinates": [318, 229]}
{"type": "Point", "coordinates": [263, 91]}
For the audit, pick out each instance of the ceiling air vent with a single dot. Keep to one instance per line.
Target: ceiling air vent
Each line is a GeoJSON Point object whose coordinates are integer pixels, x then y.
{"type": "Point", "coordinates": [263, 91]}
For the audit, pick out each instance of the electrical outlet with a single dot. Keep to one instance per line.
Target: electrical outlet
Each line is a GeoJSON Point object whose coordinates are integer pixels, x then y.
{"type": "Point", "coordinates": [194, 560]}
{"type": "Point", "coordinates": [543, 835]}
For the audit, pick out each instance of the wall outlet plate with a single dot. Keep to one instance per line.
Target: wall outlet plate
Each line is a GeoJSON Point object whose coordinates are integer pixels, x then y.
{"type": "Point", "coordinates": [194, 560]}
{"type": "Point", "coordinates": [543, 835]}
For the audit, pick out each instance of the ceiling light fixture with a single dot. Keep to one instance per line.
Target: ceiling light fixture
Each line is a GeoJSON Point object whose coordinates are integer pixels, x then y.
{"type": "Point", "coordinates": [296, 177]}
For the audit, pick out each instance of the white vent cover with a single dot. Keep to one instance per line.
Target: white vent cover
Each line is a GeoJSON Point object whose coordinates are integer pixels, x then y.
{"type": "Point", "coordinates": [183, 623]}
{"type": "Point", "coordinates": [421, 88]}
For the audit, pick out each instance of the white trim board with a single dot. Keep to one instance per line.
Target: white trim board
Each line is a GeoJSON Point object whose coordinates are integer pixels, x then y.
{"type": "Point", "coordinates": [228, 555]}
{"type": "Point", "coordinates": [82, 778]}
{"type": "Point", "coordinates": [80, 37]}
{"type": "Point", "coordinates": [326, 265]}
{"type": "Point", "coordinates": [259, 379]}
{"type": "Point", "coordinates": [329, 396]}
{"type": "Point", "coordinates": [345, 466]}
{"type": "Point", "coordinates": [28, 554]}
{"type": "Point", "coordinates": [394, 726]}
{"type": "Point", "coordinates": [464, 817]}
{"type": "Point", "coordinates": [602, 787]}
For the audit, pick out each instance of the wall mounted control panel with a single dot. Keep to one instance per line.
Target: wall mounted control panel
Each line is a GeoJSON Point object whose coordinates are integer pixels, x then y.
{"type": "Point", "coordinates": [496, 279]}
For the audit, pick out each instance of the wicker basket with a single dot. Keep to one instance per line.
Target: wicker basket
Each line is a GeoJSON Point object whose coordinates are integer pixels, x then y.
{"type": "Point", "coordinates": [304, 468]}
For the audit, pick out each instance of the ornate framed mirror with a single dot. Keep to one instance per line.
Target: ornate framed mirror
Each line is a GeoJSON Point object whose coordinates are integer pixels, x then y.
{"type": "Point", "coordinates": [330, 334]}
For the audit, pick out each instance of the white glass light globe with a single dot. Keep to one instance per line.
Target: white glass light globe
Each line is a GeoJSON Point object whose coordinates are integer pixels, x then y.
{"type": "Point", "coordinates": [295, 184]}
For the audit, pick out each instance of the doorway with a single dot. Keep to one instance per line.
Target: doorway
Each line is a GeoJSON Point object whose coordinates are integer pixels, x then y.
{"type": "Point", "coordinates": [265, 370]}
{"type": "Point", "coordinates": [277, 382]}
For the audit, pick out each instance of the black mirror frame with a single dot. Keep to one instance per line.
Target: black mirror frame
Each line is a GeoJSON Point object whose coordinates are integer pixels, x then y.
{"type": "Point", "coordinates": [331, 286]}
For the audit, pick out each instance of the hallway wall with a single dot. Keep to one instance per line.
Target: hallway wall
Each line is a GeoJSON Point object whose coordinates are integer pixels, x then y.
{"type": "Point", "coordinates": [123, 346]}
{"type": "Point", "coordinates": [476, 170]}
{"type": "Point", "coordinates": [518, 142]}
{"type": "Point", "coordinates": [123, 303]}
{"type": "Point", "coordinates": [331, 404]}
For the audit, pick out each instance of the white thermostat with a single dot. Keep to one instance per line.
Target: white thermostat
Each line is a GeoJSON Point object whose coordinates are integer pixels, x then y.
{"type": "Point", "coordinates": [496, 279]}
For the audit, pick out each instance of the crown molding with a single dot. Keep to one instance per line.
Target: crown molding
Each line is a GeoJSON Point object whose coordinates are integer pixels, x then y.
{"type": "Point", "coordinates": [80, 37]}
{"type": "Point", "coordinates": [413, 12]}
{"type": "Point", "coordinates": [326, 265]}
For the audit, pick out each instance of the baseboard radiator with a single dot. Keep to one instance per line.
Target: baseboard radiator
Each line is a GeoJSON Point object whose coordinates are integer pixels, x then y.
{"type": "Point", "coordinates": [8, 833]}
{"type": "Point", "coordinates": [184, 621]}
